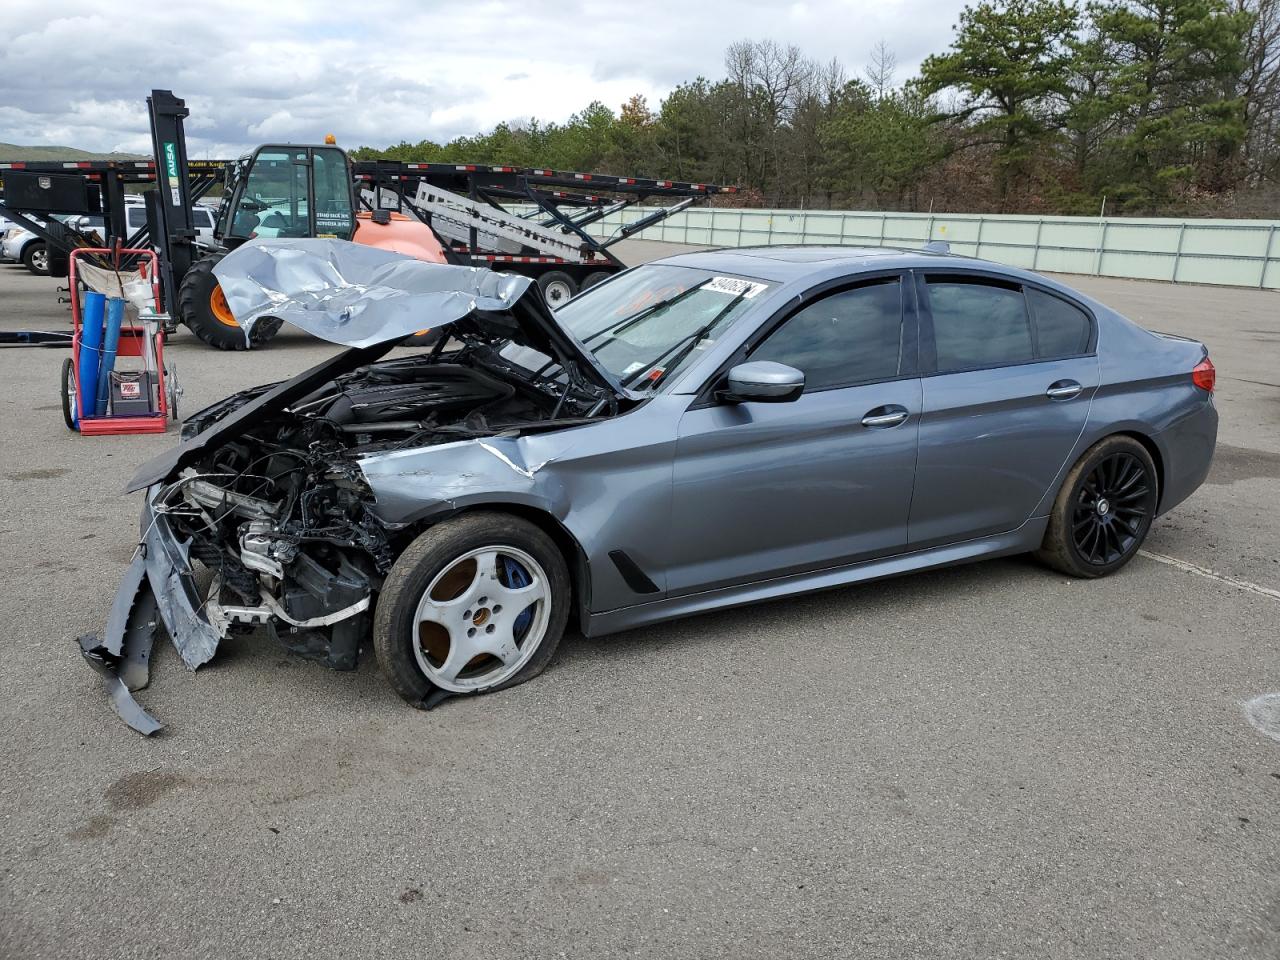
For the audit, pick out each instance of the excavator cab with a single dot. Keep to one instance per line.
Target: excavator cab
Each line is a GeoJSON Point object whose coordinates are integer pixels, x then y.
{"type": "Point", "coordinates": [285, 190]}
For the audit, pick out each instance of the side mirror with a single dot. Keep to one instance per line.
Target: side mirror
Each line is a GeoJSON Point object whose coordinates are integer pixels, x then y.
{"type": "Point", "coordinates": [763, 381]}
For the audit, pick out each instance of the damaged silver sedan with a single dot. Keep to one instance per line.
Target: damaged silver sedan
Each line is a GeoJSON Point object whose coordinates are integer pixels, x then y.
{"type": "Point", "coordinates": [706, 431]}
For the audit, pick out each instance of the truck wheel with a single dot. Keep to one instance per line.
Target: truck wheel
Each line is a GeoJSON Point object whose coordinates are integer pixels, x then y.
{"type": "Point", "coordinates": [600, 276]}
{"type": "Point", "coordinates": [204, 310]}
{"type": "Point", "coordinates": [36, 259]}
{"type": "Point", "coordinates": [557, 287]}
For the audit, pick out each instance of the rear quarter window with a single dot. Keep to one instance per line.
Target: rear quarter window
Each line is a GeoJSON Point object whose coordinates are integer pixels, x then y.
{"type": "Point", "coordinates": [1062, 329]}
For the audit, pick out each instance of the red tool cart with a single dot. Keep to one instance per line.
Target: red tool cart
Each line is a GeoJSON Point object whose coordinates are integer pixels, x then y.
{"type": "Point", "coordinates": [135, 341]}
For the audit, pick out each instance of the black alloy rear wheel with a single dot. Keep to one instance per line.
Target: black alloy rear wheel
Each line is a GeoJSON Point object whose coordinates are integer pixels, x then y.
{"type": "Point", "coordinates": [1104, 510]}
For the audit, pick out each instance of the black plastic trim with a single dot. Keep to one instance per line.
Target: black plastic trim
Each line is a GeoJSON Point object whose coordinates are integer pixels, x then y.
{"type": "Point", "coordinates": [636, 578]}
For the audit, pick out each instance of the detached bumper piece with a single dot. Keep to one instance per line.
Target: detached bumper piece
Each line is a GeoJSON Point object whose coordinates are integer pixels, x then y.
{"type": "Point", "coordinates": [158, 588]}
{"type": "Point", "coordinates": [124, 656]}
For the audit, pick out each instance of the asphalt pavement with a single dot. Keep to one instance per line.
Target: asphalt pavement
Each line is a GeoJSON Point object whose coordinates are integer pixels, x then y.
{"type": "Point", "coordinates": [987, 761]}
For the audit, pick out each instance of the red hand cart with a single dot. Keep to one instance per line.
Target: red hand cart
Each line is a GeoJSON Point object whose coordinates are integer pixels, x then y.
{"type": "Point", "coordinates": [132, 344]}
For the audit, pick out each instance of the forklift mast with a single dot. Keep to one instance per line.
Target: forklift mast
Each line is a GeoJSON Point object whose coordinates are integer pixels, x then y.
{"type": "Point", "coordinates": [169, 215]}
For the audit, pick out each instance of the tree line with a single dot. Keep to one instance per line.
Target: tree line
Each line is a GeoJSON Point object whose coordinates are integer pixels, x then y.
{"type": "Point", "coordinates": [1037, 106]}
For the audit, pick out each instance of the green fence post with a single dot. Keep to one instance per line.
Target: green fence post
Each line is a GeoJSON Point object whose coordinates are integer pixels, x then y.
{"type": "Point", "coordinates": [1177, 254]}
{"type": "Point", "coordinates": [1266, 257]}
{"type": "Point", "coordinates": [1035, 251]}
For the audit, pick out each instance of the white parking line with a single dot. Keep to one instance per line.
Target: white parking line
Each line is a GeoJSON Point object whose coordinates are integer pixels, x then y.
{"type": "Point", "coordinates": [1208, 574]}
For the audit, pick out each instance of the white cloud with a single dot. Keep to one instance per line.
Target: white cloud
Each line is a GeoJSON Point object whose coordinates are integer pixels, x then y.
{"type": "Point", "coordinates": [252, 71]}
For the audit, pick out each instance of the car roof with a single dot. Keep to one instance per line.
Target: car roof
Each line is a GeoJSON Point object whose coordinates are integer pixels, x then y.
{"type": "Point", "coordinates": [783, 264]}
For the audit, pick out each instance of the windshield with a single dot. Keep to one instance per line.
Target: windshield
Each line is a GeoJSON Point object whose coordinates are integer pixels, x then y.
{"type": "Point", "coordinates": [648, 323]}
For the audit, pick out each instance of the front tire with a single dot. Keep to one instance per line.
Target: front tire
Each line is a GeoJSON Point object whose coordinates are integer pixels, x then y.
{"type": "Point", "coordinates": [35, 257]}
{"type": "Point", "coordinates": [1104, 510]}
{"type": "Point", "coordinates": [204, 310]}
{"type": "Point", "coordinates": [476, 603]}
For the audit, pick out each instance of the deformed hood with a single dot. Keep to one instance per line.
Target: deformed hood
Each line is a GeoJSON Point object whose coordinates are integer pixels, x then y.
{"type": "Point", "coordinates": [368, 300]}
{"type": "Point", "coordinates": [355, 295]}
{"type": "Point", "coordinates": [360, 296]}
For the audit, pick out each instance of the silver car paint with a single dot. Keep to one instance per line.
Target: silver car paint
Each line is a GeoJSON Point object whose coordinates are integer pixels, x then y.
{"type": "Point", "coordinates": [726, 504]}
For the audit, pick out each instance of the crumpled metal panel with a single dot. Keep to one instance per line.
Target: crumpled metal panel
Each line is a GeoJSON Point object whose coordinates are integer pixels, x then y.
{"type": "Point", "coordinates": [353, 294]}
{"type": "Point", "coordinates": [123, 656]}
{"type": "Point", "coordinates": [170, 575]}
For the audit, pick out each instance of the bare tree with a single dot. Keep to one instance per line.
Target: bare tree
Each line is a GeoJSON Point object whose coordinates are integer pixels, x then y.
{"type": "Point", "coordinates": [771, 80]}
{"type": "Point", "coordinates": [1260, 90]}
{"type": "Point", "coordinates": [880, 71]}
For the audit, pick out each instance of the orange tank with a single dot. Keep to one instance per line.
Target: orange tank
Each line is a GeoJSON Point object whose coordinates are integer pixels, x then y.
{"type": "Point", "coordinates": [401, 235]}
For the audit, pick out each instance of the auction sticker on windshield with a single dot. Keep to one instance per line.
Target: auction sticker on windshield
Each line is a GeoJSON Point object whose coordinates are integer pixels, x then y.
{"type": "Point", "coordinates": [734, 287]}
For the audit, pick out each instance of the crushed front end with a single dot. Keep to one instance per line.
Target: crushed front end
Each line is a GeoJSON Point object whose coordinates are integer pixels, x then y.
{"type": "Point", "coordinates": [263, 516]}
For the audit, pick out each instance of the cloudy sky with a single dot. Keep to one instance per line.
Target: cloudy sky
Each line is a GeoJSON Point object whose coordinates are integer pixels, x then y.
{"type": "Point", "coordinates": [380, 71]}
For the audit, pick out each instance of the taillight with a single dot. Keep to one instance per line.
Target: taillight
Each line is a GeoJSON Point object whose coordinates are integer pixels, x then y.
{"type": "Point", "coordinates": [1203, 375]}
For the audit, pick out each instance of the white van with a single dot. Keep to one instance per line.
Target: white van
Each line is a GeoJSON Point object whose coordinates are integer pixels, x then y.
{"type": "Point", "coordinates": [203, 218]}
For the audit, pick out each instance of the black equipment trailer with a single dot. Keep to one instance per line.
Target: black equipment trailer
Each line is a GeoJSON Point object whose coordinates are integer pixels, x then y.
{"type": "Point", "coordinates": [530, 221]}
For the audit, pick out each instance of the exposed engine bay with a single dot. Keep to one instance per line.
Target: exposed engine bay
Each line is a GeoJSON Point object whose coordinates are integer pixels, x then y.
{"type": "Point", "coordinates": [272, 489]}
{"type": "Point", "coordinates": [282, 514]}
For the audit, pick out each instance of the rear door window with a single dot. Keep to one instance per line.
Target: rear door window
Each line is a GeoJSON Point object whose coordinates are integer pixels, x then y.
{"type": "Point", "coordinates": [854, 336]}
{"type": "Point", "coordinates": [978, 324]}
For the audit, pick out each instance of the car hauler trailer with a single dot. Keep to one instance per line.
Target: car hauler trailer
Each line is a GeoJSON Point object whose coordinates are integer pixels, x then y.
{"type": "Point", "coordinates": [543, 234]}
{"type": "Point", "coordinates": [529, 221]}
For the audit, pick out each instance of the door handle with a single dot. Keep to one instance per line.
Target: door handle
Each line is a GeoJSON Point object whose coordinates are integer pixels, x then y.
{"type": "Point", "coordinates": [1063, 390]}
{"type": "Point", "coordinates": [889, 416]}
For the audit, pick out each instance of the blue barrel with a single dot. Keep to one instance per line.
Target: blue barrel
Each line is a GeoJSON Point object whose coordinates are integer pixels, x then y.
{"type": "Point", "coordinates": [95, 305]}
{"type": "Point", "coordinates": [110, 341]}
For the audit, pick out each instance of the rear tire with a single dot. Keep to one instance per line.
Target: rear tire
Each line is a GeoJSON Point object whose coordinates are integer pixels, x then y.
{"type": "Point", "coordinates": [204, 310]}
{"type": "Point", "coordinates": [35, 257]}
{"type": "Point", "coordinates": [1104, 510]}
{"type": "Point", "coordinates": [406, 651]}
{"type": "Point", "coordinates": [591, 279]}
{"type": "Point", "coordinates": [557, 287]}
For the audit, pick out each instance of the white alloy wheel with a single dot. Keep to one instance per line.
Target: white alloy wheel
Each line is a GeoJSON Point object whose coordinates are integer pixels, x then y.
{"type": "Point", "coordinates": [481, 619]}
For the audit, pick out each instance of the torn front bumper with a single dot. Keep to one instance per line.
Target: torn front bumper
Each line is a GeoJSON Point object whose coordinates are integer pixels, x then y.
{"type": "Point", "coordinates": [158, 588]}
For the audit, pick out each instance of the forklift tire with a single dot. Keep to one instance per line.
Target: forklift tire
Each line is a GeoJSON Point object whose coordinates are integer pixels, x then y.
{"type": "Point", "coordinates": [68, 393]}
{"type": "Point", "coordinates": [204, 310]}
{"type": "Point", "coordinates": [591, 279]}
{"type": "Point", "coordinates": [557, 287]}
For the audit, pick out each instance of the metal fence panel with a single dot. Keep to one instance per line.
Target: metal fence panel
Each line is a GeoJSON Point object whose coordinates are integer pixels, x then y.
{"type": "Point", "coordinates": [1232, 252]}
